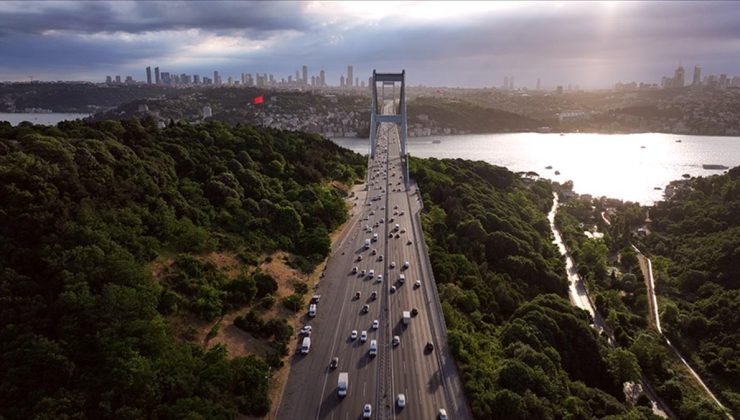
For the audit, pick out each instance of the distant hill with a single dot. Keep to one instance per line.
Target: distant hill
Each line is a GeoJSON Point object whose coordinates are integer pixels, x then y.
{"type": "Point", "coordinates": [466, 116]}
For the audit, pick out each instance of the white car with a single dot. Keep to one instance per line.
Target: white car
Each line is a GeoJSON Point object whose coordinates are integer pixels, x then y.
{"type": "Point", "coordinates": [406, 264]}
{"type": "Point", "coordinates": [363, 336]}
{"type": "Point", "coordinates": [380, 278]}
{"type": "Point", "coordinates": [306, 330]}
{"type": "Point", "coordinates": [401, 400]}
{"type": "Point", "coordinates": [367, 412]}
{"type": "Point", "coordinates": [376, 324]}
{"type": "Point", "coordinates": [353, 335]}
{"type": "Point", "coordinates": [393, 289]}
{"type": "Point", "coordinates": [396, 340]}
{"type": "Point", "coordinates": [417, 284]}
{"type": "Point", "coordinates": [393, 264]}
{"type": "Point", "coordinates": [442, 414]}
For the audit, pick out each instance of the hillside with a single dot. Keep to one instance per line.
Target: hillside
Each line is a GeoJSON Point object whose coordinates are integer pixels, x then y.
{"type": "Point", "coordinates": [523, 350]}
{"type": "Point", "coordinates": [113, 234]}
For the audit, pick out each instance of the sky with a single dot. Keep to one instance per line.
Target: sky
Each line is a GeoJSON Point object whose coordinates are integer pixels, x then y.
{"type": "Point", "coordinates": [465, 44]}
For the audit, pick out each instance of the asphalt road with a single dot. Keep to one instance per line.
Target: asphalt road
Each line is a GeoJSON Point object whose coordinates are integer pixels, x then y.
{"type": "Point", "coordinates": [427, 378]}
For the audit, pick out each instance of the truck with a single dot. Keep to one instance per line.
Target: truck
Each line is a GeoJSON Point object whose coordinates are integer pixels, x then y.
{"type": "Point", "coordinates": [306, 346]}
{"type": "Point", "coordinates": [406, 317]}
{"type": "Point", "coordinates": [342, 384]}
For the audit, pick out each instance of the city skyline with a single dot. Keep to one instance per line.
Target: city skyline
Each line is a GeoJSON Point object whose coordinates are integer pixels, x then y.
{"type": "Point", "coordinates": [593, 45]}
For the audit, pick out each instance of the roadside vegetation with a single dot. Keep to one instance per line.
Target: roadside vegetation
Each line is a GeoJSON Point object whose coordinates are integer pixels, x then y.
{"type": "Point", "coordinates": [522, 349]}
{"type": "Point", "coordinates": [693, 247]}
{"type": "Point", "coordinates": [107, 233]}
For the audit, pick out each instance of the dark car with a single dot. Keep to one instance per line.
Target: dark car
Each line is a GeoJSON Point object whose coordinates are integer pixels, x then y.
{"type": "Point", "coordinates": [414, 312]}
{"type": "Point", "coordinates": [429, 347]}
{"type": "Point", "coordinates": [334, 363]}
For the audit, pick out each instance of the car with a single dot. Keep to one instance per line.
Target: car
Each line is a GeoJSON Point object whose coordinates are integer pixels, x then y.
{"type": "Point", "coordinates": [358, 294]}
{"type": "Point", "coordinates": [402, 279]}
{"type": "Point", "coordinates": [398, 236]}
{"type": "Point", "coordinates": [390, 220]}
{"type": "Point", "coordinates": [396, 206]}
{"type": "Point", "coordinates": [406, 264]}
{"type": "Point", "coordinates": [367, 412]}
{"type": "Point", "coordinates": [401, 213]}
{"type": "Point", "coordinates": [401, 401]}
{"type": "Point", "coordinates": [382, 208]}
{"type": "Point", "coordinates": [376, 324]}
{"type": "Point", "coordinates": [374, 295]}
{"type": "Point", "coordinates": [334, 362]}
{"type": "Point", "coordinates": [390, 235]}
{"type": "Point", "coordinates": [353, 335]}
{"type": "Point", "coordinates": [363, 336]}
{"type": "Point", "coordinates": [380, 258]}
{"type": "Point", "coordinates": [365, 309]}
{"type": "Point", "coordinates": [371, 273]}
{"type": "Point", "coordinates": [393, 289]}
{"type": "Point", "coordinates": [362, 273]}
{"type": "Point", "coordinates": [417, 284]}
{"type": "Point", "coordinates": [379, 279]}
{"type": "Point", "coordinates": [396, 340]}
{"type": "Point", "coordinates": [409, 242]}
{"type": "Point", "coordinates": [354, 270]}
{"type": "Point", "coordinates": [373, 252]}
{"type": "Point", "coordinates": [442, 414]}
{"type": "Point", "coordinates": [403, 230]}
{"type": "Point", "coordinates": [429, 346]}
{"type": "Point", "coordinates": [393, 264]}
{"type": "Point", "coordinates": [359, 258]}
{"type": "Point", "coordinates": [372, 213]}
{"type": "Point", "coordinates": [306, 330]}
{"type": "Point", "coordinates": [414, 312]}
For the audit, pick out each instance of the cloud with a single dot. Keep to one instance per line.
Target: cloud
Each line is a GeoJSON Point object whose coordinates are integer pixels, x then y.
{"type": "Point", "coordinates": [469, 44]}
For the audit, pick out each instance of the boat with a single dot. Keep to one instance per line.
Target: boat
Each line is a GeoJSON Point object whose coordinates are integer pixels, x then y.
{"type": "Point", "coordinates": [562, 134]}
{"type": "Point", "coordinates": [657, 188]}
{"type": "Point", "coordinates": [642, 147]}
{"type": "Point", "coordinates": [436, 141]}
{"type": "Point", "coordinates": [678, 141]}
{"type": "Point", "coordinates": [687, 176]}
{"type": "Point", "coordinates": [548, 167]}
{"type": "Point", "coordinates": [557, 172]}
{"type": "Point", "coordinates": [714, 166]}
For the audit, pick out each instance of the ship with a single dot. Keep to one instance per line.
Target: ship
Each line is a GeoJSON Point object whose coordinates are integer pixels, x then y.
{"type": "Point", "coordinates": [714, 166]}
{"type": "Point", "coordinates": [548, 167]}
{"type": "Point", "coordinates": [557, 172]}
{"type": "Point", "coordinates": [436, 141]}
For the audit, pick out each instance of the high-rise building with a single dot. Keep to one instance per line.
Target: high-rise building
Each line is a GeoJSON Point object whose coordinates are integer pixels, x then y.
{"type": "Point", "coordinates": [196, 79]}
{"type": "Point", "coordinates": [157, 79]}
{"type": "Point", "coordinates": [697, 76]}
{"type": "Point", "coordinates": [216, 78]}
{"type": "Point", "coordinates": [305, 74]}
{"type": "Point", "coordinates": [148, 75]}
{"type": "Point", "coordinates": [357, 81]}
{"type": "Point", "coordinates": [723, 80]}
{"type": "Point", "coordinates": [341, 81]}
{"type": "Point", "coordinates": [129, 80]}
{"type": "Point", "coordinates": [678, 77]}
{"type": "Point", "coordinates": [108, 79]}
{"type": "Point", "coordinates": [322, 78]}
{"type": "Point", "coordinates": [538, 83]}
{"type": "Point", "coordinates": [118, 79]}
{"type": "Point", "coordinates": [230, 80]}
{"type": "Point", "coordinates": [511, 83]}
{"type": "Point", "coordinates": [350, 77]}
{"type": "Point", "coordinates": [506, 82]}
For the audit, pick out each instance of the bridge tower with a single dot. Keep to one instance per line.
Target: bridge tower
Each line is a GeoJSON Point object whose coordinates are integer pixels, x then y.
{"type": "Point", "coordinates": [397, 115]}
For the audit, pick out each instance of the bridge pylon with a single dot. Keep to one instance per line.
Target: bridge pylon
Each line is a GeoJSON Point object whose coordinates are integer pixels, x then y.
{"type": "Point", "coordinates": [379, 112]}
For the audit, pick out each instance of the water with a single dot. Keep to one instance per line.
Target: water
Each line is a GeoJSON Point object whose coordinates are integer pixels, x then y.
{"type": "Point", "coordinates": [623, 166]}
{"type": "Point", "coordinates": [51, 118]}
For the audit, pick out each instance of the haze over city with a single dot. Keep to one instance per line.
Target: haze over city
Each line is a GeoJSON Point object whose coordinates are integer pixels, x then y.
{"type": "Point", "coordinates": [471, 44]}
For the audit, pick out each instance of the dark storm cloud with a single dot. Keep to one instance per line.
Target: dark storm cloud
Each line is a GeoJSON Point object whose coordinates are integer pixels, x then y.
{"type": "Point", "coordinates": [253, 18]}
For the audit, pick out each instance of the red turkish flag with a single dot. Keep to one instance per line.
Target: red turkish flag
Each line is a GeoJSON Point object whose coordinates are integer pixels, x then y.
{"type": "Point", "coordinates": [258, 100]}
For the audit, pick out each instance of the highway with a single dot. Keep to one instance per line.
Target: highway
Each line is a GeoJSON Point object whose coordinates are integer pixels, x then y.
{"type": "Point", "coordinates": [428, 379]}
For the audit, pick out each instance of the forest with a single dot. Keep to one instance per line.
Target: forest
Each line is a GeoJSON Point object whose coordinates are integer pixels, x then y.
{"type": "Point", "coordinates": [694, 252]}
{"type": "Point", "coordinates": [86, 331]}
{"type": "Point", "coordinates": [523, 350]}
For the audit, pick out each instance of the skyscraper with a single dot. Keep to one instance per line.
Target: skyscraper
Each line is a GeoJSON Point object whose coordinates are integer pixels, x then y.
{"type": "Point", "coordinates": [697, 76]}
{"type": "Point", "coordinates": [322, 78]}
{"type": "Point", "coordinates": [156, 75]}
{"type": "Point", "coordinates": [506, 82]}
{"type": "Point", "coordinates": [678, 77]}
{"type": "Point", "coordinates": [118, 79]}
{"type": "Point", "coordinates": [349, 75]}
{"type": "Point", "coordinates": [216, 78]}
{"type": "Point", "coordinates": [341, 81]}
{"type": "Point", "coordinates": [538, 83]}
{"type": "Point", "coordinates": [148, 75]}
{"type": "Point", "coordinates": [305, 74]}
